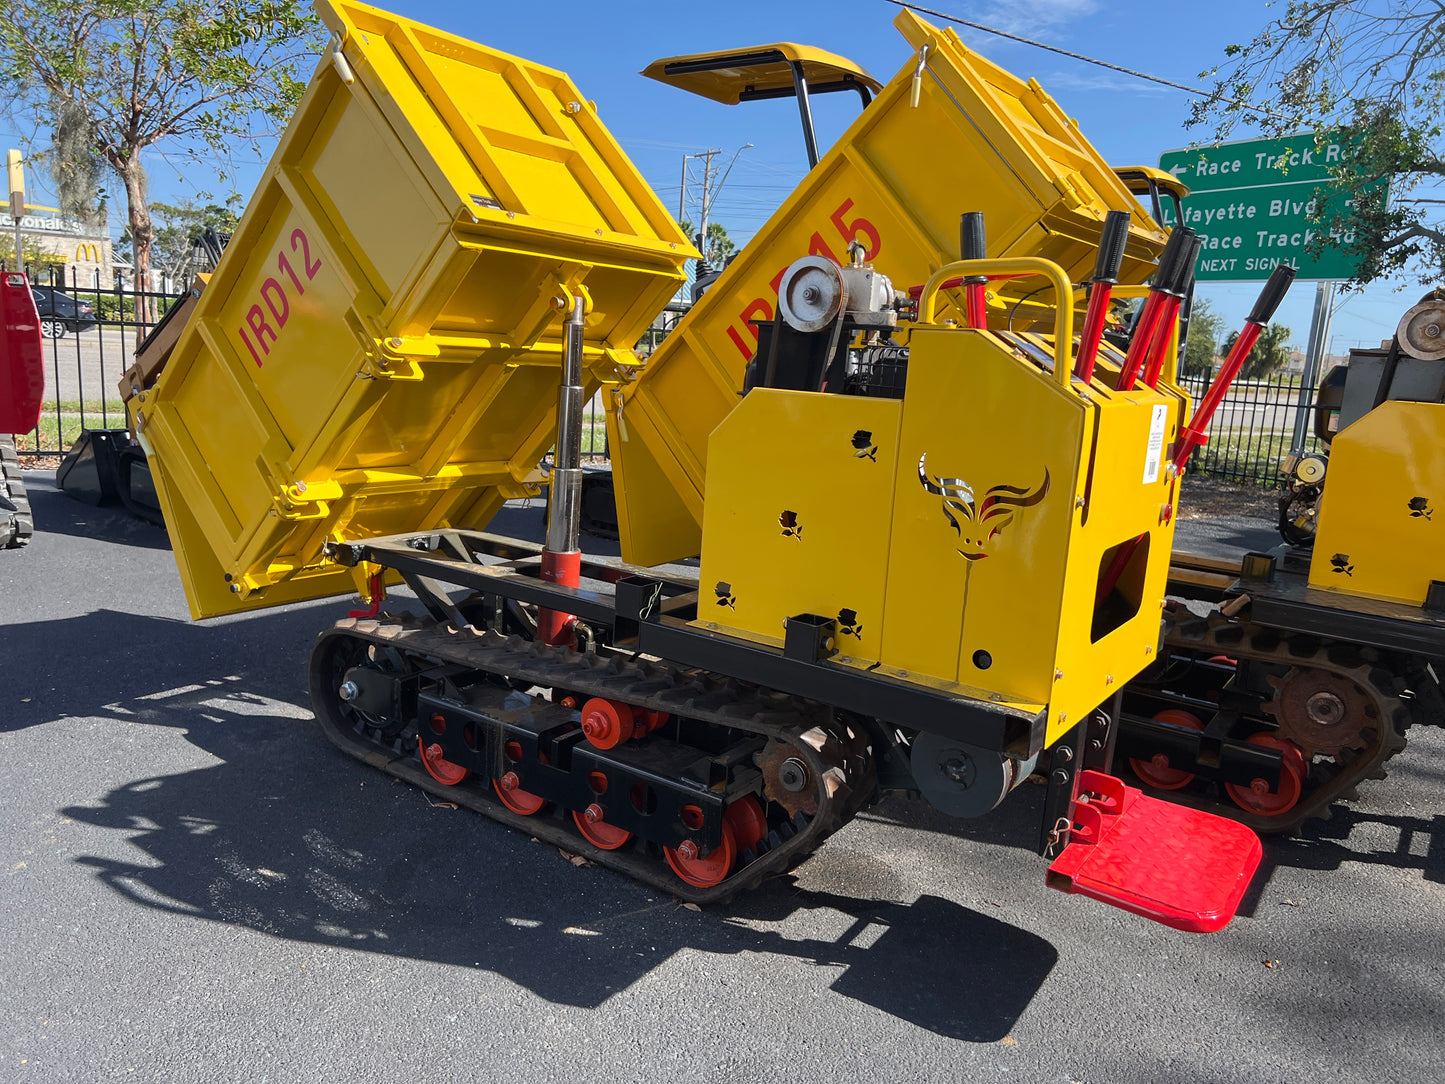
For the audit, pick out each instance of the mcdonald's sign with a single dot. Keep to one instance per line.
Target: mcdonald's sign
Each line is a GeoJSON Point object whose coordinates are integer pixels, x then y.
{"type": "Point", "coordinates": [87, 250]}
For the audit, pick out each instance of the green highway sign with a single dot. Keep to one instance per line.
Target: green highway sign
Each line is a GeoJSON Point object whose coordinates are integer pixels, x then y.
{"type": "Point", "coordinates": [1254, 162]}
{"type": "Point", "coordinates": [1252, 204]}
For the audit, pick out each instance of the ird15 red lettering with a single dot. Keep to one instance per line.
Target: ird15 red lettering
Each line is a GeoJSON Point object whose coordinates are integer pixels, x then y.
{"type": "Point", "coordinates": [274, 296]}
{"type": "Point", "coordinates": [761, 308]}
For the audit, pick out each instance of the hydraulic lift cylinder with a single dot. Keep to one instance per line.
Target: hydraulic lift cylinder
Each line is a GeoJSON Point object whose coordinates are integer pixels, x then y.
{"type": "Point", "coordinates": [562, 555]}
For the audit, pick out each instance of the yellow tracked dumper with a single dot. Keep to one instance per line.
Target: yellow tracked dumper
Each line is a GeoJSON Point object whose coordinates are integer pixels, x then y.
{"type": "Point", "coordinates": [933, 506]}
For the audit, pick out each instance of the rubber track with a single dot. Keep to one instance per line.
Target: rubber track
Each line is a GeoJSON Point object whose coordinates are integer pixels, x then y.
{"type": "Point", "coordinates": [840, 766]}
{"type": "Point", "coordinates": [15, 527]}
{"type": "Point", "coordinates": [1218, 635]}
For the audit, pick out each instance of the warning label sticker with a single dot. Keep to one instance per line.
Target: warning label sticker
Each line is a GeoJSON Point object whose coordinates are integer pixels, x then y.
{"type": "Point", "coordinates": [1155, 451]}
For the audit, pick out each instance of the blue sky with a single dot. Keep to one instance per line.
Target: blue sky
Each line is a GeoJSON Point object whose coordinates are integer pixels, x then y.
{"type": "Point", "coordinates": [603, 46]}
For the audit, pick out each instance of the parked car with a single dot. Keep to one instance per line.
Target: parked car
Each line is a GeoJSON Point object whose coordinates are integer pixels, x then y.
{"type": "Point", "coordinates": [59, 312]}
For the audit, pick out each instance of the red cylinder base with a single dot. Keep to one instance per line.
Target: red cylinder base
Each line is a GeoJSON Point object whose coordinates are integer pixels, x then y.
{"type": "Point", "coordinates": [553, 626]}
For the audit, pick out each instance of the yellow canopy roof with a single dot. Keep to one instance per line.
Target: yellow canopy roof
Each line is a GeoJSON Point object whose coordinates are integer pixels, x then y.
{"type": "Point", "coordinates": [1136, 179]}
{"type": "Point", "coordinates": [731, 76]}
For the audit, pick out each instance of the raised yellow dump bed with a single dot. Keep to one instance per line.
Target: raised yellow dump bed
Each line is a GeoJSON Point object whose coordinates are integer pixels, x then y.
{"type": "Point", "coordinates": [977, 139]}
{"type": "Point", "coordinates": [379, 349]}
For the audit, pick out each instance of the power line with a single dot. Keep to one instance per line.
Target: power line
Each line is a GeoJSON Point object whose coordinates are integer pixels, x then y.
{"type": "Point", "coordinates": [1052, 48]}
{"type": "Point", "coordinates": [1210, 94]}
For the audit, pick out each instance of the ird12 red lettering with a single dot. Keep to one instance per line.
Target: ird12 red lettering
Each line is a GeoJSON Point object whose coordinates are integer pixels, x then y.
{"type": "Point", "coordinates": [276, 299]}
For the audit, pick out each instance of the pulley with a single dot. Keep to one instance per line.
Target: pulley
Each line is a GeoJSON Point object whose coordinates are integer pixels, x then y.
{"type": "Point", "coordinates": [811, 293]}
{"type": "Point", "coordinates": [1422, 330]}
{"type": "Point", "coordinates": [963, 780]}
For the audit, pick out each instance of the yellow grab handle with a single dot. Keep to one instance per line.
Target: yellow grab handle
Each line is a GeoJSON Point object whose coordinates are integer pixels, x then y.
{"type": "Point", "coordinates": [1013, 265]}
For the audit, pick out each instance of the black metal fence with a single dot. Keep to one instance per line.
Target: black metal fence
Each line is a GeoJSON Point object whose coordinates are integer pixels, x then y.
{"type": "Point", "coordinates": [90, 331]}
{"type": "Point", "coordinates": [1253, 428]}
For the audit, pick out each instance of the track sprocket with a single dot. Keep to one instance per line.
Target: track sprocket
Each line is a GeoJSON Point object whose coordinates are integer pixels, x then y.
{"type": "Point", "coordinates": [1321, 711]}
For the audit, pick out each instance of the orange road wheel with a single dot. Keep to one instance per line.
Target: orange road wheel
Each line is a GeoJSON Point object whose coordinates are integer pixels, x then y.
{"type": "Point", "coordinates": [596, 831]}
{"type": "Point", "coordinates": [703, 872]}
{"type": "Point", "coordinates": [1156, 770]}
{"type": "Point", "coordinates": [748, 822]}
{"type": "Point", "coordinates": [1256, 797]}
{"type": "Point", "coordinates": [606, 723]}
{"type": "Point", "coordinates": [516, 799]}
{"type": "Point", "coordinates": [439, 767]}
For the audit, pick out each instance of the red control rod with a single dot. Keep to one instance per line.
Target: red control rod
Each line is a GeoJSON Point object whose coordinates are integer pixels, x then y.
{"type": "Point", "coordinates": [1176, 250]}
{"type": "Point", "coordinates": [1106, 276]}
{"type": "Point", "coordinates": [1195, 433]}
{"type": "Point", "coordinates": [1177, 291]}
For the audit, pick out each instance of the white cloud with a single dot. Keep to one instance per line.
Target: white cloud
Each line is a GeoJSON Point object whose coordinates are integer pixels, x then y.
{"type": "Point", "coordinates": [1100, 79]}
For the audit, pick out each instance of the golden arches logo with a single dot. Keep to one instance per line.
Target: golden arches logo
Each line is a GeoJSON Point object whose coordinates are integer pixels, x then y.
{"type": "Point", "coordinates": [87, 250]}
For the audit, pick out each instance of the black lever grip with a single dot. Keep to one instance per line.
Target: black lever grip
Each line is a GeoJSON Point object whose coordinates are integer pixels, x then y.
{"type": "Point", "coordinates": [1272, 294]}
{"type": "Point", "coordinates": [1185, 274]}
{"type": "Point", "coordinates": [972, 241]}
{"type": "Point", "coordinates": [1176, 251]}
{"type": "Point", "coordinates": [1111, 247]}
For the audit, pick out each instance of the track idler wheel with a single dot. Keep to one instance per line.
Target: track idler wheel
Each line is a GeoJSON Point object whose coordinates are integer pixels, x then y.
{"type": "Point", "coordinates": [1156, 770]}
{"type": "Point", "coordinates": [437, 765]}
{"type": "Point", "coordinates": [609, 723]}
{"type": "Point", "coordinates": [509, 787]}
{"type": "Point", "coordinates": [1256, 798]}
{"type": "Point", "coordinates": [744, 826]}
{"type": "Point", "coordinates": [595, 830]}
{"type": "Point", "coordinates": [592, 822]}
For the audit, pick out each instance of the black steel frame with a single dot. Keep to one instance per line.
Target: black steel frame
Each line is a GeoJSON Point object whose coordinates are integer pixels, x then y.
{"type": "Point", "coordinates": [652, 614]}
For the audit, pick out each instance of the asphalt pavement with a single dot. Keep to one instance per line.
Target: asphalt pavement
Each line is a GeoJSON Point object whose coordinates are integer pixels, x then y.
{"type": "Point", "coordinates": [196, 886]}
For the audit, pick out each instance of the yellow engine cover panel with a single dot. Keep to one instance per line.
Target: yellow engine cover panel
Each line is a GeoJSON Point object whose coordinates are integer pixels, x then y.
{"type": "Point", "coordinates": [1382, 517]}
{"type": "Point", "coordinates": [800, 493]}
{"type": "Point", "coordinates": [959, 537]}
{"type": "Point", "coordinates": [989, 466]}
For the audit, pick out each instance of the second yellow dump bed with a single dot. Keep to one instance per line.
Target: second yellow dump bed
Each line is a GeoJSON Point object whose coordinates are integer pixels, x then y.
{"type": "Point", "coordinates": [379, 349]}
{"type": "Point", "coordinates": [977, 139]}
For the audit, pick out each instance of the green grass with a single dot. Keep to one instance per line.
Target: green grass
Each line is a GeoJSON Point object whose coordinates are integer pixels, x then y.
{"type": "Point", "coordinates": [1253, 453]}
{"type": "Point", "coordinates": [57, 434]}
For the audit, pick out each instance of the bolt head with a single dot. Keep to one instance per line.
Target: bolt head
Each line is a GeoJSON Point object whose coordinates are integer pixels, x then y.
{"type": "Point", "coordinates": [348, 691]}
{"type": "Point", "coordinates": [687, 850]}
{"type": "Point", "coordinates": [793, 775]}
{"type": "Point", "coordinates": [593, 813]}
{"type": "Point", "coordinates": [509, 781]}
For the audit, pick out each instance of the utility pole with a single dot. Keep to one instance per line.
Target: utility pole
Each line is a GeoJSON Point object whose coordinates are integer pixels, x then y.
{"type": "Point", "coordinates": [706, 200]}
{"type": "Point", "coordinates": [15, 167]}
{"type": "Point", "coordinates": [709, 191]}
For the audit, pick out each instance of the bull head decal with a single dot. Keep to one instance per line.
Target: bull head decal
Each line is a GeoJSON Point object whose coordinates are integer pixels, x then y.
{"type": "Point", "coordinates": [978, 522]}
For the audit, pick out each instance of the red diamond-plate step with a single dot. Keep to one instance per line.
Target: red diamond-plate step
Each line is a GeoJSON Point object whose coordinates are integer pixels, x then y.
{"type": "Point", "coordinates": [1183, 867]}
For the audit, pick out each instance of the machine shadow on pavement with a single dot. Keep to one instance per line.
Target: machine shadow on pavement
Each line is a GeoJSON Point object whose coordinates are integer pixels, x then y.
{"type": "Point", "coordinates": [56, 513]}
{"type": "Point", "coordinates": [289, 837]}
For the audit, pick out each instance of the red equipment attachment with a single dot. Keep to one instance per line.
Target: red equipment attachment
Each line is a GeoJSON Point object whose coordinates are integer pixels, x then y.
{"type": "Point", "coordinates": [22, 361]}
{"type": "Point", "coordinates": [1195, 433]}
{"type": "Point", "coordinates": [1176, 250]}
{"type": "Point", "coordinates": [1183, 867]}
{"type": "Point", "coordinates": [1106, 276]}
